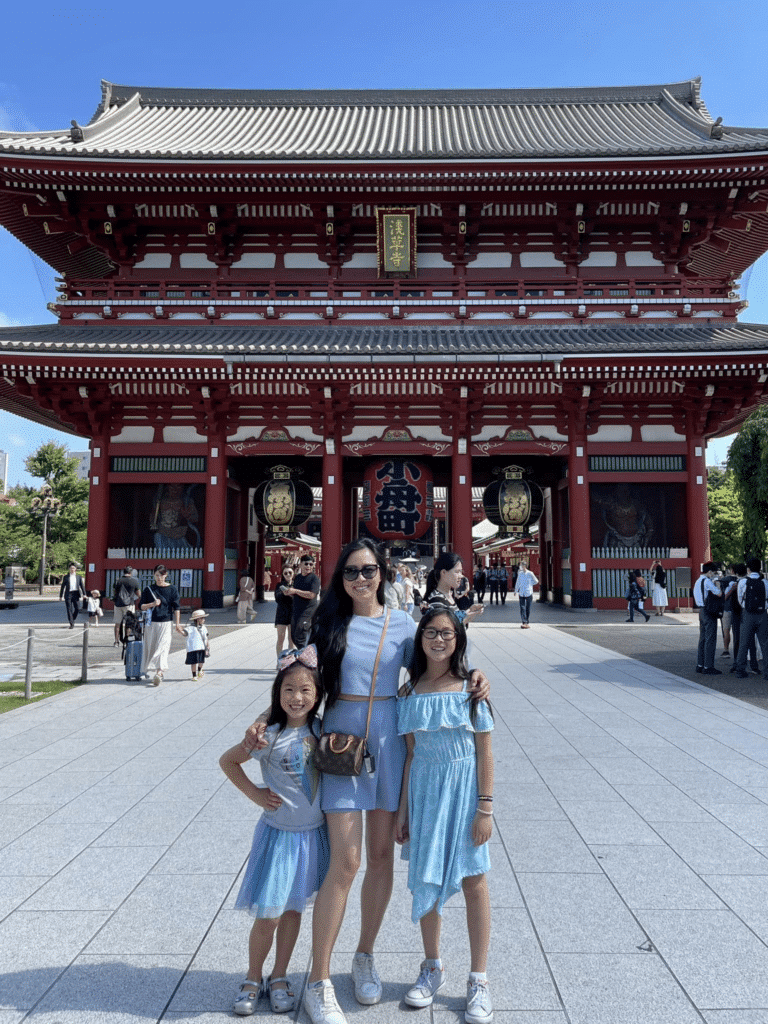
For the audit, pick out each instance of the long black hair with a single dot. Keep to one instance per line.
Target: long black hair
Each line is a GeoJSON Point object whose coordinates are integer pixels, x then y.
{"type": "Point", "coordinates": [446, 561]}
{"type": "Point", "coordinates": [334, 612]}
{"type": "Point", "coordinates": [459, 666]}
{"type": "Point", "coordinates": [277, 715]}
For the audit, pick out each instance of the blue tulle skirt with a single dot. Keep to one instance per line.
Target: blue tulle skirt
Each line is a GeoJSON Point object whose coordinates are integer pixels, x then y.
{"type": "Point", "coordinates": [285, 870]}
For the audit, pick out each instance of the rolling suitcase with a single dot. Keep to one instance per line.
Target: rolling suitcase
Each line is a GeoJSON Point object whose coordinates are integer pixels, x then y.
{"type": "Point", "coordinates": [134, 650]}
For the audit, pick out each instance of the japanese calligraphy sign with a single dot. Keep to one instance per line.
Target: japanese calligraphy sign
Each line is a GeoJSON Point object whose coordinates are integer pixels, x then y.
{"type": "Point", "coordinates": [397, 499]}
{"type": "Point", "coordinates": [396, 240]}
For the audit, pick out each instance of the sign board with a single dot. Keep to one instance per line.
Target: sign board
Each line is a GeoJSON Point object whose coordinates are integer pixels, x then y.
{"type": "Point", "coordinates": [185, 578]}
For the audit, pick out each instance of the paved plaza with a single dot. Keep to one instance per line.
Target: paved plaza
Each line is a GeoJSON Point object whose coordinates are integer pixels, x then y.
{"type": "Point", "coordinates": [630, 856]}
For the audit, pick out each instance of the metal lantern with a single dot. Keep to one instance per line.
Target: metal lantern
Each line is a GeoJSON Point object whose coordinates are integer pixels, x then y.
{"type": "Point", "coordinates": [511, 503]}
{"type": "Point", "coordinates": [397, 499]}
{"type": "Point", "coordinates": [282, 503]}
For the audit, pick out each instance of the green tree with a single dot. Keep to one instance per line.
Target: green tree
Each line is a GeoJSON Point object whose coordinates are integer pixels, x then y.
{"type": "Point", "coordinates": [21, 533]}
{"type": "Point", "coordinates": [748, 460]}
{"type": "Point", "coordinates": [725, 518]}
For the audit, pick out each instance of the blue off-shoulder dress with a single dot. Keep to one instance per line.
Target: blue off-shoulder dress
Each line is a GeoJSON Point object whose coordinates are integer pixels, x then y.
{"type": "Point", "coordinates": [442, 796]}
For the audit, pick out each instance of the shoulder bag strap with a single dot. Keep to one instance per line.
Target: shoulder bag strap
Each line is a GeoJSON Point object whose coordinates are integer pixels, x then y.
{"type": "Point", "coordinates": [375, 670]}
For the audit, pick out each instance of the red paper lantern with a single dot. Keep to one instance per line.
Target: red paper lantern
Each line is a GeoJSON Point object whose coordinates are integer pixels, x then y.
{"type": "Point", "coordinates": [397, 499]}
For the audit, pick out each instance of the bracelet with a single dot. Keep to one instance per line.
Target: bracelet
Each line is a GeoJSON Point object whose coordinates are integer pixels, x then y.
{"type": "Point", "coordinates": [481, 811]}
{"type": "Point", "coordinates": [485, 798]}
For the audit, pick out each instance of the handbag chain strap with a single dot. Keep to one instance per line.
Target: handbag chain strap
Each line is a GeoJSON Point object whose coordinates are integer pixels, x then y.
{"type": "Point", "coordinates": [375, 671]}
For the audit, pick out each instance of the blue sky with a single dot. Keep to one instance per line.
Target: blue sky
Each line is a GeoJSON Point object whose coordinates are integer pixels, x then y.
{"type": "Point", "coordinates": [55, 56]}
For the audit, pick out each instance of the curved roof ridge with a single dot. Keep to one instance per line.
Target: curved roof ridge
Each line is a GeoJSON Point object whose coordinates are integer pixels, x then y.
{"type": "Point", "coordinates": [115, 95]}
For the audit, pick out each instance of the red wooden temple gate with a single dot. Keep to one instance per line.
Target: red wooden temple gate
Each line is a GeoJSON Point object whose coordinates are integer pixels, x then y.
{"type": "Point", "coordinates": [467, 279]}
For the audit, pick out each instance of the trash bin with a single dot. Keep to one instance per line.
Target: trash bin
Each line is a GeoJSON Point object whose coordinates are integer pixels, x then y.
{"type": "Point", "coordinates": [9, 587]}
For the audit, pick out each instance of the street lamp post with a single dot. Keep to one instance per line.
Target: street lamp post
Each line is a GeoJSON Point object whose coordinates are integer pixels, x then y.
{"type": "Point", "coordinates": [45, 505]}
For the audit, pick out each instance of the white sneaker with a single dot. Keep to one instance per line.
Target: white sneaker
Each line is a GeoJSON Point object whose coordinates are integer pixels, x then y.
{"type": "Point", "coordinates": [428, 984]}
{"type": "Point", "coordinates": [366, 979]}
{"type": "Point", "coordinates": [320, 1004]}
{"type": "Point", "coordinates": [479, 1005]}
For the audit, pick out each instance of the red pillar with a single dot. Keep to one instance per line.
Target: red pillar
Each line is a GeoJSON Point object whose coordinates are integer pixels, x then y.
{"type": "Point", "coordinates": [98, 515]}
{"type": "Point", "coordinates": [215, 524]}
{"type": "Point", "coordinates": [333, 506]}
{"type": "Point", "coordinates": [697, 510]}
{"type": "Point", "coordinates": [460, 517]}
{"type": "Point", "coordinates": [578, 504]}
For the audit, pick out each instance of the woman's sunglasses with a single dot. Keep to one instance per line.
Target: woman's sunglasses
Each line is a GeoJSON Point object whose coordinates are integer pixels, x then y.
{"type": "Point", "coordinates": [444, 634]}
{"type": "Point", "coordinates": [350, 573]}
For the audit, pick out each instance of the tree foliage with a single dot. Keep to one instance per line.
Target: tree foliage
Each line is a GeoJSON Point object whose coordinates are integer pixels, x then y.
{"type": "Point", "coordinates": [21, 533]}
{"type": "Point", "coordinates": [725, 518]}
{"type": "Point", "coordinates": [748, 461]}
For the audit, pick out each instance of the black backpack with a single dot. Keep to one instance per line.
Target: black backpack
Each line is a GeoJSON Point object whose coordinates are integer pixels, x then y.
{"type": "Point", "coordinates": [754, 596]}
{"type": "Point", "coordinates": [714, 605]}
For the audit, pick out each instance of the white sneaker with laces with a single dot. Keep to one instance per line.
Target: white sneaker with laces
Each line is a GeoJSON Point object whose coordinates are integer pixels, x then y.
{"type": "Point", "coordinates": [479, 1005]}
{"type": "Point", "coordinates": [428, 984]}
{"type": "Point", "coordinates": [366, 979]}
{"type": "Point", "coordinates": [320, 1004]}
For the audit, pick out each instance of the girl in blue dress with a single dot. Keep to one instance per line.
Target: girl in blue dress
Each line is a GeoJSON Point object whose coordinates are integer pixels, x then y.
{"type": "Point", "coordinates": [446, 805]}
{"type": "Point", "coordinates": [290, 851]}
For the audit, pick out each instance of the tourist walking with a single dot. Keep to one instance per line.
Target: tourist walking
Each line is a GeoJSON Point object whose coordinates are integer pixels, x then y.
{"type": "Point", "coordinates": [446, 806]}
{"type": "Point", "coordinates": [125, 594]}
{"type": "Point", "coordinates": [524, 585]}
{"type": "Point", "coordinates": [480, 582]}
{"type": "Point", "coordinates": [72, 593]}
{"type": "Point", "coordinates": [706, 585]}
{"type": "Point", "coordinates": [493, 584]}
{"type": "Point", "coordinates": [289, 853]}
{"type": "Point", "coordinates": [94, 608]}
{"type": "Point", "coordinates": [284, 609]}
{"type": "Point", "coordinates": [408, 588]}
{"type": "Point", "coordinates": [161, 599]}
{"type": "Point", "coordinates": [635, 595]}
{"type": "Point", "coordinates": [752, 595]}
{"type": "Point", "coordinates": [245, 595]}
{"type": "Point", "coordinates": [198, 644]}
{"type": "Point", "coordinates": [503, 582]}
{"type": "Point", "coordinates": [659, 597]}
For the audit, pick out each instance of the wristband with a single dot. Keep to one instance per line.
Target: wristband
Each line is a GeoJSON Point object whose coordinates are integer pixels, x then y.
{"type": "Point", "coordinates": [485, 798]}
{"type": "Point", "coordinates": [481, 811]}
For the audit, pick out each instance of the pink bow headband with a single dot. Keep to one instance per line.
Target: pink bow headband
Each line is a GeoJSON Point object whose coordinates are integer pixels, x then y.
{"type": "Point", "coordinates": [306, 656]}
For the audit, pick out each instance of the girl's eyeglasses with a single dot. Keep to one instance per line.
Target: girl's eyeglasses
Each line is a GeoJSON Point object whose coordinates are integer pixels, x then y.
{"type": "Point", "coordinates": [444, 634]}
{"type": "Point", "coordinates": [350, 573]}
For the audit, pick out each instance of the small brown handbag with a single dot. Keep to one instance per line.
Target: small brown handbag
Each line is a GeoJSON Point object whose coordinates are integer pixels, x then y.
{"type": "Point", "coordinates": [340, 753]}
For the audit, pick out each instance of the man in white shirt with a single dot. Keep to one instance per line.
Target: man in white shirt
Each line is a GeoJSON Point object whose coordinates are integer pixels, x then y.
{"type": "Point", "coordinates": [752, 595]}
{"type": "Point", "coordinates": [72, 591]}
{"type": "Point", "coordinates": [707, 584]}
{"type": "Point", "coordinates": [524, 585]}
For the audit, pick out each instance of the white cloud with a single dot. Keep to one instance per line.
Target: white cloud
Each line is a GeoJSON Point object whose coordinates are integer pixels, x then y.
{"type": "Point", "coordinates": [18, 440]}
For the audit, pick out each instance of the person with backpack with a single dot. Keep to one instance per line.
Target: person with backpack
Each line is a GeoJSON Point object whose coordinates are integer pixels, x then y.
{"type": "Point", "coordinates": [705, 589]}
{"type": "Point", "coordinates": [125, 594]}
{"type": "Point", "coordinates": [635, 595]}
{"type": "Point", "coordinates": [752, 595]}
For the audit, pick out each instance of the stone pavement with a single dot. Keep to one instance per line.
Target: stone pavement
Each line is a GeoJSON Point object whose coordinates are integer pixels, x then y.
{"type": "Point", "coordinates": [630, 855]}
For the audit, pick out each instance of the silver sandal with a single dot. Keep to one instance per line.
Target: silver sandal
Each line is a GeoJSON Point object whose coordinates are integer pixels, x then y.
{"type": "Point", "coordinates": [280, 999]}
{"type": "Point", "coordinates": [245, 1002]}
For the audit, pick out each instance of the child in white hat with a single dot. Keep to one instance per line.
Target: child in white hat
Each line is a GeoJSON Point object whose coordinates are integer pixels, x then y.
{"type": "Point", "coordinates": [198, 647]}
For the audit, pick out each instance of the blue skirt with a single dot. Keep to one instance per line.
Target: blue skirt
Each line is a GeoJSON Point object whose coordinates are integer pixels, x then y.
{"type": "Point", "coordinates": [285, 870]}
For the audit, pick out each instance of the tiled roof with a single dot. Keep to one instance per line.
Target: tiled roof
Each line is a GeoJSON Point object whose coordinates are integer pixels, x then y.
{"type": "Point", "coordinates": [389, 344]}
{"type": "Point", "coordinates": [134, 121]}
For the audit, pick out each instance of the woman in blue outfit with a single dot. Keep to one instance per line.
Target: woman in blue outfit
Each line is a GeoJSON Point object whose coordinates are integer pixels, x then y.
{"type": "Point", "coordinates": [347, 628]}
